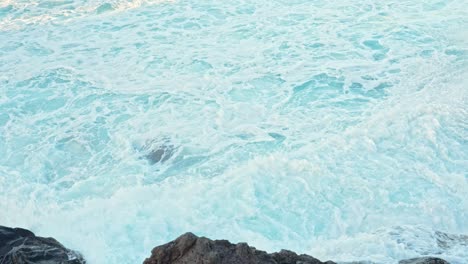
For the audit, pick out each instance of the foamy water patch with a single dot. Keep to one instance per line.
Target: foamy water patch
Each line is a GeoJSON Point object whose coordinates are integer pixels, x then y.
{"type": "Point", "coordinates": [16, 15]}
{"type": "Point", "coordinates": [281, 128]}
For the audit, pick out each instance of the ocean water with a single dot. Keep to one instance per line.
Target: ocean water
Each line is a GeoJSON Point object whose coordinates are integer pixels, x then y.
{"type": "Point", "coordinates": [333, 128]}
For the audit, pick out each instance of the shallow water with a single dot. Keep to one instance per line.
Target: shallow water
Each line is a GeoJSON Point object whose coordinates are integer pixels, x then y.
{"type": "Point", "coordinates": [330, 128]}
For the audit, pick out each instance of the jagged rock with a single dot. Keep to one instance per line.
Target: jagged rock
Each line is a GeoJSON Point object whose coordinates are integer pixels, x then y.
{"type": "Point", "coordinates": [425, 260]}
{"type": "Point", "coordinates": [190, 249]}
{"type": "Point", "coordinates": [18, 246]}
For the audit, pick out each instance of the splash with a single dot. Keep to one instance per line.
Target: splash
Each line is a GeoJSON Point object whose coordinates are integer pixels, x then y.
{"type": "Point", "coordinates": [330, 128]}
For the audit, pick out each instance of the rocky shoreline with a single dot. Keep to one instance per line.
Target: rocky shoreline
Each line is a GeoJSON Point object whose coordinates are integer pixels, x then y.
{"type": "Point", "coordinates": [18, 246]}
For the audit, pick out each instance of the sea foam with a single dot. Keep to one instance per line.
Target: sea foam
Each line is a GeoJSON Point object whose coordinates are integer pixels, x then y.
{"type": "Point", "coordinates": [331, 128]}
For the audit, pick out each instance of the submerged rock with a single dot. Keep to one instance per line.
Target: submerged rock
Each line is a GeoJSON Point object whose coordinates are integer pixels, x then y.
{"type": "Point", "coordinates": [160, 154]}
{"type": "Point", "coordinates": [156, 151]}
{"type": "Point", "coordinates": [425, 260]}
{"type": "Point", "coordinates": [447, 241]}
{"type": "Point", "coordinates": [19, 245]}
{"type": "Point", "coordinates": [189, 248]}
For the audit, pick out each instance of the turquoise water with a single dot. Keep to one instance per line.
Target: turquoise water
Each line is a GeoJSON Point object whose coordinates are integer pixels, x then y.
{"type": "Point", "coordinates": [333, 128]}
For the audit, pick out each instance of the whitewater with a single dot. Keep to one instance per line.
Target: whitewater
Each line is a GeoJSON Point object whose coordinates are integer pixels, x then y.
{"type": "Point", "coordinates": [333, 128]}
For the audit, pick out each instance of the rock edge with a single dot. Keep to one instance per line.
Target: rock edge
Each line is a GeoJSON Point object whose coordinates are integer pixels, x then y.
{"type": "Point", "coordinates": [191, 249]}
{"type": "Point", "coordinates": [19, 246]}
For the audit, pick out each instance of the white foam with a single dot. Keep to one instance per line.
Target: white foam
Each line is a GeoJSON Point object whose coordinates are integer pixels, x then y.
{"type": "Point", "coordinates": [22, 14]}
{"type": "Point", "coordinates": [330, 128]}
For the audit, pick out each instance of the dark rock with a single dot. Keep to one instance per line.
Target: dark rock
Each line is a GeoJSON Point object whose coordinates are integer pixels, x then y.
{"type": "Point", "coordinates": [19, 246]}
{"type": "Point", "coordinates": [190, 249]}
{"type": "Point", "coordinates": [159, 154]}
{"type": "Point", "coordinates": [425, 260]}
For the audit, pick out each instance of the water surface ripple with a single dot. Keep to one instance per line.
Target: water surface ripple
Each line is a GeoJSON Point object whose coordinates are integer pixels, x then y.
{"type": "Point", "coordinates": [333, 128]}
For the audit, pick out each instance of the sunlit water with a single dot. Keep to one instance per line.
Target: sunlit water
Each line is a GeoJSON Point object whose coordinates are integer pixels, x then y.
{"type": "Point", "coordinates": [333, 128]}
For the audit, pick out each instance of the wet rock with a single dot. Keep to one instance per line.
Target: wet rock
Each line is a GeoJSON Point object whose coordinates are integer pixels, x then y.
{"type": "Point", "coordinates": [19, 245]}
{"type": "Point", "coordinates": [189, 248]}
{"type": "Point", "coordinates": [425, 260]}
{"type": "Point", "coordinates": [160, 154]}
{"type": "Point", "coordinates": [155, 151]}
